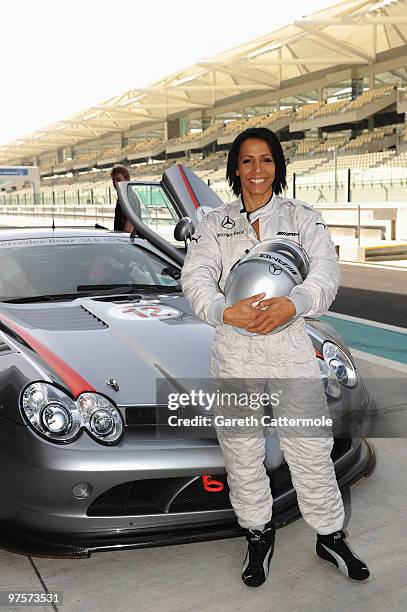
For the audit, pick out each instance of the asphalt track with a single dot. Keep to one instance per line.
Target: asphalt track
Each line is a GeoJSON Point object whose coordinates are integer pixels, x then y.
{"type": "Point", "coordinates": [370, 313]}
{"type": "Point", "coordinates": [373, 293]}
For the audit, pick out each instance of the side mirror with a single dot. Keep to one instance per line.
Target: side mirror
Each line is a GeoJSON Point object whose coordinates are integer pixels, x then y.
{"type": "Point", "coordinates": [183, 230]}
{"type": "Point", "coordinates": [171, 272]}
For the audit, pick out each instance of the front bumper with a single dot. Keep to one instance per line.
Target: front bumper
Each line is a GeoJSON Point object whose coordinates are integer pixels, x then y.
{"type": "Point", "coordinates": [124, 532]}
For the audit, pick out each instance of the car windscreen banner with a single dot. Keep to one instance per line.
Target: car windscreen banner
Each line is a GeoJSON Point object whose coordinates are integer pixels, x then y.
{"type": "Point", "coordinates": [35, 242]}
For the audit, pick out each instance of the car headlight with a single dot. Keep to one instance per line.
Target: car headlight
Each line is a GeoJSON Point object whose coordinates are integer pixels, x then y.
{"type": "Point", "coordinates": [56, 418]}
{"type": "Point", "coordinates": [340, 364]}
{"type": "Point", "coordinates": [100, 417]}
{"type": "Point", "coordinates": [52, 413]}
{"type": "Point", "coordinates": [330, 382]}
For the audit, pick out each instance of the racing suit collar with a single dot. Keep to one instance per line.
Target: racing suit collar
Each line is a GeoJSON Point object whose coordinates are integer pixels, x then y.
{"type": "Point", "coordinates": [254, 215]}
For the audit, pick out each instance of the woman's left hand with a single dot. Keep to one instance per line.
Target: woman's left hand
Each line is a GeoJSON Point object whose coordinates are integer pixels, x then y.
{"type": "Point", "coordinates": [272, 313]}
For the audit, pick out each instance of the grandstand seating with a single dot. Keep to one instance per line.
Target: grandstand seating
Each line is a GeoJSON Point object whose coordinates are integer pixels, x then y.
{"type": "Point", "coordinates": [96, 187]}
{"type": "Point", "coordinates": [367, 137]}
{"type": "Point", "coordinates": [305, 111]}
{"type": "Point", "coordinates": [306, 157]}
{"type": "Point", "coordinates": [331, 108]}
{"type": "Point", "coordinates": [212, 162]}
{"type": "Point", "coordinates": [46, 166]}
{"type": "Point", "coordinates": [321, 109]}
{"type": "Point", "coordinates": [306, 146]}
{"type": "Point", "coordinates": [87, 156]}
{"type": "Point", "coordinates": [313, 146]}
{"type": "Point", "coordinates": [111, 153]}
{"type": "Point", "coordinates": [289, 147]}
{"type": "Point", "coordinates": [303, 166]}
{"type": "Point", "coordinates": [335, 142]}
{"type": "Point", "coordinates": [368, 97]}
{"type": "Point", "coordinates": [141, 145]}
{"type": "Point", "coordinates": [397, 161]}
{"type": "Point", "coordinates": [194, 138]}
{"type": "Point", "coordinates": [266, 120]}
{"type": "Point", "coordinates": [234, 127]}
{"type": "Point", "coordinates": [358, 161]}
{"type": "Point", "coordinates": [277, 115]}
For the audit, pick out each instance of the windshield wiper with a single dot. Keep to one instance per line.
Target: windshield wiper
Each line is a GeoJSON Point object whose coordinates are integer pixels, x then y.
{"type": "Point", "coordinates": [43, 298]}
{"type": "Point", "coordinates": [90, 290]}
{"type": "Point", "coordinates": [128, 288]}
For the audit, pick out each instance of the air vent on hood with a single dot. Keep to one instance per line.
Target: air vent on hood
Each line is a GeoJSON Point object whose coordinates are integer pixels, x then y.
{"type": "Point", "coordinates": [4, 348]}
{"type": "Point", "coordinates": [57, 318]}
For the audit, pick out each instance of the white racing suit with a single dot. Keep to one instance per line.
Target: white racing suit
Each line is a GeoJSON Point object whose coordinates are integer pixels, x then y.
{"type": "Point", "coordinates": [220, 239]}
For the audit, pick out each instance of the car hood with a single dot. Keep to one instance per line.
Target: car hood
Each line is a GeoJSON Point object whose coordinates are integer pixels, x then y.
{"type": "Point", "coordinates": [89, 342]}
{"type": "Point", "coordinates": [133, 342]}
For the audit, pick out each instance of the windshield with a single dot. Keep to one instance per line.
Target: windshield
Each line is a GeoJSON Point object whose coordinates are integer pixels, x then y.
{"type": "Point", "coordinates": [156, 210]}
{"type": "Point", "coordinates": [58, 266]}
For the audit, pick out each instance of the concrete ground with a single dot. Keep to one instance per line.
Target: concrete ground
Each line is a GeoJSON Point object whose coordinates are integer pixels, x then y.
{"type": "Point", "coordinates": [206, 576]}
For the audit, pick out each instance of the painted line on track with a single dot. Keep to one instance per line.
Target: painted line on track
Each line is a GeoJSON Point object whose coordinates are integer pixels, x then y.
{"type": "Point", "coordinates": [370, 337]}
{"type": "Point", "coordinates": [381, 266]}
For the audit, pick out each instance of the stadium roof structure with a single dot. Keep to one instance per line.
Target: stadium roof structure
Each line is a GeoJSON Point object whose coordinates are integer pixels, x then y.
{"type": "Point", "coordinates": [352, 35]}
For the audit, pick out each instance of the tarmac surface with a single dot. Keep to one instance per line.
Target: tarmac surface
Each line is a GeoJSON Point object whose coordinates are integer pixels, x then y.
{"type": "Point", "coordinates": [377, 293]}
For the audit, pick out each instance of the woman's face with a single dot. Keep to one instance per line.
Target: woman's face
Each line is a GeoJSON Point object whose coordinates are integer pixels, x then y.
{"type": "Point", "coordinates": [256, 169]}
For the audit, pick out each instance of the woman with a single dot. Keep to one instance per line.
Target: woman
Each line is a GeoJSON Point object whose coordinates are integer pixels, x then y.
{"type": "Point", "coordinates": [256, 172]}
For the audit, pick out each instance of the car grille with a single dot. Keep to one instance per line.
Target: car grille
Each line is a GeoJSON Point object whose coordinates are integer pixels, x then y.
{"type": "Point", "coordinates": [137, 497]}
{"type": "Point", "coordinates": [153, 416]}
{"type": "Point", "coordinates": [195, 498]}
{"type": "Point", "coordinates": [186, 494]}
{"type": "Point", "coordinates": [163, 495]}
{"type": "Point", "coordinates": [142, 416]}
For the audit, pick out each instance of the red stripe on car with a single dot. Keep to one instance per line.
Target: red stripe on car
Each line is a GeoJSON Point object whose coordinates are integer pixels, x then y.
{"type": "Point", "coordinates": [188, 186]}
{"type": "Point", "coordinates": [71, 378]}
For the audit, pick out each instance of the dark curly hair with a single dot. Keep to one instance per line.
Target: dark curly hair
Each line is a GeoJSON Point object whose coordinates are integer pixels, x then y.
{"type": "Point", "coordinates": [120, 170]}
{"type": "Point", "coordinates": [280, 182]}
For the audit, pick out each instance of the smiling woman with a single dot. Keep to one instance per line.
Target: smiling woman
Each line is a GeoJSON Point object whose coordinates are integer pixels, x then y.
{"type": "Point", "coordinates": [256, 170]}
{"type": "Point", "coordinates": [278, 354]}
{"type": "Point", "coordinates": [256, 166]}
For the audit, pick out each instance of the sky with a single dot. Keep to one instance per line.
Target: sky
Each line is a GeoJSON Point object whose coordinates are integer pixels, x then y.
{"type": "Point", "coordinates": [60, 57]}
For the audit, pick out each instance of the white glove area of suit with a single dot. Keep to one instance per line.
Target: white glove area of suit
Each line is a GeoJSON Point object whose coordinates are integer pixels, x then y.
{"type": "Point", "coordinates": [268, 362]}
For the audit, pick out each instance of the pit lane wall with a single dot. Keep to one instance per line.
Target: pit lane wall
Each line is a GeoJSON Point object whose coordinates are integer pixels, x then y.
{"type": "Point", "coordinates": [77, 216]}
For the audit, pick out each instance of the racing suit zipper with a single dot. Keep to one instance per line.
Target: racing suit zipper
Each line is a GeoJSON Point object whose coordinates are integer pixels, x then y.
{"type": "Point", "coordinates": [251, 233]}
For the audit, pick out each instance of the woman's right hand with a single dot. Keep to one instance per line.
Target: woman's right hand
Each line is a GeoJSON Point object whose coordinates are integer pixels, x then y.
{"type": "Point", "coordinates": [243, 313]}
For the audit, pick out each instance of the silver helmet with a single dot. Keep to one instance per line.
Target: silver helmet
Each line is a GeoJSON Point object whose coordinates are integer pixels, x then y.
{"type": "Point", "coordinates": [274, 267]}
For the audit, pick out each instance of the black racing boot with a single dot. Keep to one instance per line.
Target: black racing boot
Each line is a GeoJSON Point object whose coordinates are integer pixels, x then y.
{"type": "Point", "coordinates": [259, 552]}
{"type": "Point", "coordinates": [333, 548]}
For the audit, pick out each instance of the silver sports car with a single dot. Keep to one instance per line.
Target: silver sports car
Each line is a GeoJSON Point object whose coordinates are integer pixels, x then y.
{"type": "Point", "coordinates": [90, 320]}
